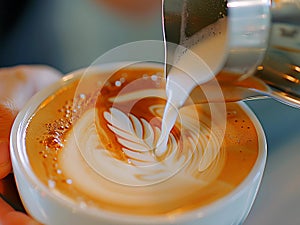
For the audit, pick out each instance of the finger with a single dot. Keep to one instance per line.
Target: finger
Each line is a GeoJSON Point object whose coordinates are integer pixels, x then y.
{"type": "Point", "coordinates": [5, 163]}
{"type": "Point", "coordinates": [17, 85]}
{"type": "Point", "coordinates": [6, 120]}
{"type": "Point", "coordinates": [8, 216]}
{"type": "Point", "coordinates": [18, 218]}
{"type": "Point", "coordinates": [41, 76]}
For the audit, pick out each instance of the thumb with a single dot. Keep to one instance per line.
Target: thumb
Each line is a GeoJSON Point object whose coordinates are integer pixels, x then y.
{"type": "Point", "coordinates": [17, 85]}
{"type": "Point", "coordinates": [8, 216]}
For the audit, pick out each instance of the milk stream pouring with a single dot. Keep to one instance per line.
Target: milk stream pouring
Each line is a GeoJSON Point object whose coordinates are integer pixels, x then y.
{"type": "Point", "coordinates": [192, 67]}
{"type": "Point", "coordinates": [233, 40]}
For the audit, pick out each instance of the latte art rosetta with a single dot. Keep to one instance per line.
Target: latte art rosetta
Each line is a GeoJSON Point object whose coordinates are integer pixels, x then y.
{"type": "Point", "coordinates": [97, 140]}
{"type": "Point", "coordinates": [101, 175]}
{"type": "Point", "coordinates": [138, 139]}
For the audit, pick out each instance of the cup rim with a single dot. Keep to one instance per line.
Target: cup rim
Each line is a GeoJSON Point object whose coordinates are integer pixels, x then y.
{"type": "Point", "coordinates": [21, 163]}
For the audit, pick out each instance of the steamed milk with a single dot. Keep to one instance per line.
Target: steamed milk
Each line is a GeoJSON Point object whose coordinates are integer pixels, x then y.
{"type": "Point", "coordinates": [96, 142]}
{"type": "Point", "coordinates": [196, 64]}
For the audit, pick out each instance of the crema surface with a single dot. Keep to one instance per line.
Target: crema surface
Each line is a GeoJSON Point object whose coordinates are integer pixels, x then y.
{"type": "Point", "coordinates": [96, 142]}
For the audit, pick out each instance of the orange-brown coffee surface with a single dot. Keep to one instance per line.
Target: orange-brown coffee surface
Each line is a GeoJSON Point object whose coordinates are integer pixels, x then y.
{"type": "Point", "coordinates": [50, 128]}
{"type": "Point", "coordinates": [234, 86]}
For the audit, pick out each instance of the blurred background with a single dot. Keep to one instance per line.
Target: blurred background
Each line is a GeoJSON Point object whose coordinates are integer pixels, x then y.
{"type": "Point", "coordinates": [71, 34]}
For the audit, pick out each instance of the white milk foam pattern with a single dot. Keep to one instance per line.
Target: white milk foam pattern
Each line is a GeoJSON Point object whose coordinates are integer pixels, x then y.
{"type": "Point", "coordinates": [98, 174]}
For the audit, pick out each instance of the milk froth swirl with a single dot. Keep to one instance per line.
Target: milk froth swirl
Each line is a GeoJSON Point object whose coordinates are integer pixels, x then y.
{"type": "Point", "coordinates": [109, 152]}
{"type": "Point", "coordinates": [96, 140]}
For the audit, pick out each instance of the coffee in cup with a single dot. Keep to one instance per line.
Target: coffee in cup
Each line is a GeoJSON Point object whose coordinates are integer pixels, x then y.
{"type": "Point", "coordinates": [90, 144]}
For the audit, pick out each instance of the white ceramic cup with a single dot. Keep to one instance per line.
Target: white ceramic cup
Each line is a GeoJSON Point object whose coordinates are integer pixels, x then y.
{"type": "Point", "coordinates": [49, 207]}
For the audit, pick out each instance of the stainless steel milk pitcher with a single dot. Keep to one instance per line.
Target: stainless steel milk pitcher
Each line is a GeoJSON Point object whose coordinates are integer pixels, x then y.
{"type": "Point", "coordinates": [263, 41]}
